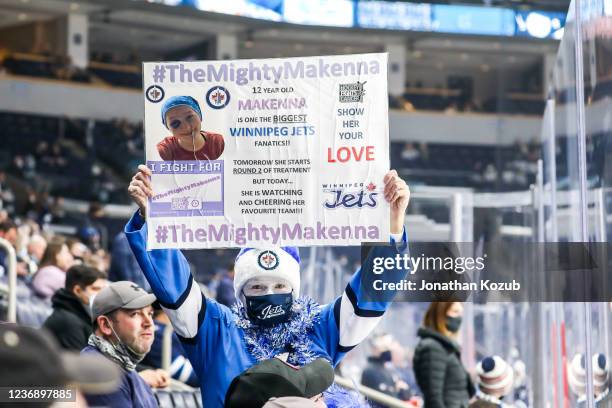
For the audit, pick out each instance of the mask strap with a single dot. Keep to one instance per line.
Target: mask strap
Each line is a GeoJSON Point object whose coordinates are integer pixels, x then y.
{"type": "Point", "coordinates": [119, 339]}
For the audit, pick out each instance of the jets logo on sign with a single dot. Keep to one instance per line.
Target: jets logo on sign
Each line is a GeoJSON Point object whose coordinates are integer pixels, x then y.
{"type": "Point", "coordinates": [267, 260]}
{"type": "Point", "coordinates": [155, 93]}
{"type": "Point", "coordinates": [217, 97]}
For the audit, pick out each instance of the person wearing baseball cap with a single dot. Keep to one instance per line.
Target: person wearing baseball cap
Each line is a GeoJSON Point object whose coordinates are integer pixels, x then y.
{"type": "Point", "coordinates": [32, 358]}
{"type": "Point", "coordinates": [123, 333]}
{"type": "Point", "coordinates": [275, 378]}
{"type": "Point", "coordinates": [270, 317]}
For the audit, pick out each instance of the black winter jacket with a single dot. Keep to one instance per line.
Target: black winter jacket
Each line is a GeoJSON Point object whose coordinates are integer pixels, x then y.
{"type": "Point", "coordinates": [70, 321]}
{"type": "Point", "coordinates": [439, 372]}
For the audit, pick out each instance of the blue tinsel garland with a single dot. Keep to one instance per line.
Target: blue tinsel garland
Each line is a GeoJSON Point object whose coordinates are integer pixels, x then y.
{"type": "Point", "coordinates": [266, 342]}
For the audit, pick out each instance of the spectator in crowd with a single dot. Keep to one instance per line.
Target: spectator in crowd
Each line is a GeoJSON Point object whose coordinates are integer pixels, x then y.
{"type": "Point", "coordinates": [183, 117]}
{"type": "Point", "coordinates": [51, 275]}
{"type": "Point", "coordinates": [225, 290]}
{"type": "Point", "coordinates": [378, 374]}
{"type": "Point", "coordinates": [124, 265]}
{"type": "Point", "coordinates": [410, 153]}
{"type": "Point", "coordinates": [94, 232]}
{"type": "Point", "coordinates": [26, 265]}
{"type": "Point", "coordinates": [123, 333]}
{"type": "Point", "coordinates": [78, 250]}
{"type": "Point", "coordinates": [180, 368]}
{"type": "Point", "coordinates": [495, 381]}
{"type": "Point", "coordinates": [521, 390]}
{"type": "Point", "coordinates": [36, 248]}
{"type": "Point", "coordinates": [100, 260]}
{"type": "Point", "coordinates": [576, 375]}
{"type": "Point", "coordinates": [275, 378]}
{"type": "Point", "coordinates": [8, 231]}
{"type": "Point", "coordinates": [70, 321]}
{"type": "Point", "coordinates": [437, 358]}
{"type": "Point", "coordinates": [266, 280]}
{"type": "Point", "coordinates": [31, 358]}
{"type": "Point", "coordinates": [7, 197]}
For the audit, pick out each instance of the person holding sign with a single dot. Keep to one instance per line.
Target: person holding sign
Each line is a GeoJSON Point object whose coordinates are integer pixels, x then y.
{"type": "Point", "coordinates": [183, 117]}
{"type": "Point", "coordinates": [270, 319]}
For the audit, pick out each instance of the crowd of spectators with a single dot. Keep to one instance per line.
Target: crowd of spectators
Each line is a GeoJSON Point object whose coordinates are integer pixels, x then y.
{"type": "Point", "coordinates": [111, 69]}
{"type": "Point", "coordinates": [482, 167]}
{"type": "Point", "coordinates": [59, 275]}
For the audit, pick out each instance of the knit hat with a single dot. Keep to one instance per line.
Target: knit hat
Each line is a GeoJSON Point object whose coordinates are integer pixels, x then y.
{"type": "Point", "coordinates": [600, 372]}
{"type": "Point", "coordinates": [273, 262]}
{"type": "Point", "coordinates": [495, 376]}
{"type": "Point", "coordinates": [576, 374]}
{"type": "Point", "coordinates": [182, 100]}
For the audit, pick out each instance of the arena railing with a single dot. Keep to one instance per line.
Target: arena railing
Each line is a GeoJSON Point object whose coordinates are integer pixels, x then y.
{"type": "Point", "coordinates": [371, 394]}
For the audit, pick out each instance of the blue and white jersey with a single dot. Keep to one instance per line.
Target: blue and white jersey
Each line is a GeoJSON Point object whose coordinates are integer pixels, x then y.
{"type": "Point", "coordinates": [216, 346]}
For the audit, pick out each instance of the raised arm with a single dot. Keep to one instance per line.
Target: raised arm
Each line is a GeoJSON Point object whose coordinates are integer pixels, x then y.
{"type": "Point", "coordinates": [166, 270]}
{"type": "Point", "coordinates": [351, 318]}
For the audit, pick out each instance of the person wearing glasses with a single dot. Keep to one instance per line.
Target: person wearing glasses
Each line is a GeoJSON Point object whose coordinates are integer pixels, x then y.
{"type": "Point", "coordinates": [183, 117]}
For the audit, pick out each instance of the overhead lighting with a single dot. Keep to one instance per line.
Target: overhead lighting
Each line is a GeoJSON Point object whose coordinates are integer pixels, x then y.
{"type": "Point", "coordinates": [22, 16]}
{"type": "Point", "coordinates": [74, 6]}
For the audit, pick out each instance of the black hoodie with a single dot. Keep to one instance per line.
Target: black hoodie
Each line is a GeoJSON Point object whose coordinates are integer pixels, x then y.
{"type": "Point", "coordinates": [70, 321]}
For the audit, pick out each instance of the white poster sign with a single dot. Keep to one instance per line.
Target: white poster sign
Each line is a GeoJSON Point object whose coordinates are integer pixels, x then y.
{"type": "Point", "coordinates": [273, 151]}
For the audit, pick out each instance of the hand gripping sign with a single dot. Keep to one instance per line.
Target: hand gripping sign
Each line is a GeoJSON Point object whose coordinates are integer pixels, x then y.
{"type": "Point", "coordinates": [273, 151]}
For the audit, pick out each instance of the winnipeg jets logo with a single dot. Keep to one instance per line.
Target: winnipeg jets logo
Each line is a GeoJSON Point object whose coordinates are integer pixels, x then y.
{"type": "Point", "coordinates": [217, 97]}
{"type": "Point", "coordinates": [154, 93]}
{"type": "Point", "coordinates": [271, 311]}
{"type": "Point", "coordinates": [267, 260]}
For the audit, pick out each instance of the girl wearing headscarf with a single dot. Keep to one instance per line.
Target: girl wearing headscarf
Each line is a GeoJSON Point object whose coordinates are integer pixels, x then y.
{"type": "Point", "coordinates": [183, 117]}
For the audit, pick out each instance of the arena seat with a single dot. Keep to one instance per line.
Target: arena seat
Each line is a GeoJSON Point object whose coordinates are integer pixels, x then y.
{"type": "Point", "coordinates": [164, 398]}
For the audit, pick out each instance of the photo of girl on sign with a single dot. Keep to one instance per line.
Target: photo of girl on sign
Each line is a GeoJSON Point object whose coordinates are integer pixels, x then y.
{"type": "Point", "coordinates": [183, 117]}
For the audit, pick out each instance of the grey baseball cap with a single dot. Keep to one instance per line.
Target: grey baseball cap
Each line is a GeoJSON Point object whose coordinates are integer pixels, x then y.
{"type": "Point", "coordinates": [120, 295]}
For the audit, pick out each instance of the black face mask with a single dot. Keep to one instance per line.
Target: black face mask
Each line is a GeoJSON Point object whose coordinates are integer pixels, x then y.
{"type": "Point", "coordinates": [385, 356]}
{"type": "Point", "coordinates": [453, 324]}
{"type": "Point", "coordinates": [268, 310]}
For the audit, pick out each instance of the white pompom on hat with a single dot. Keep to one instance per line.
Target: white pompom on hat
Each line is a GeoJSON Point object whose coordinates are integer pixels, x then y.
{"type": "Point", "coordinates": [495, 376]}
{"type": "Point", "coordinates": [272, 261]}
